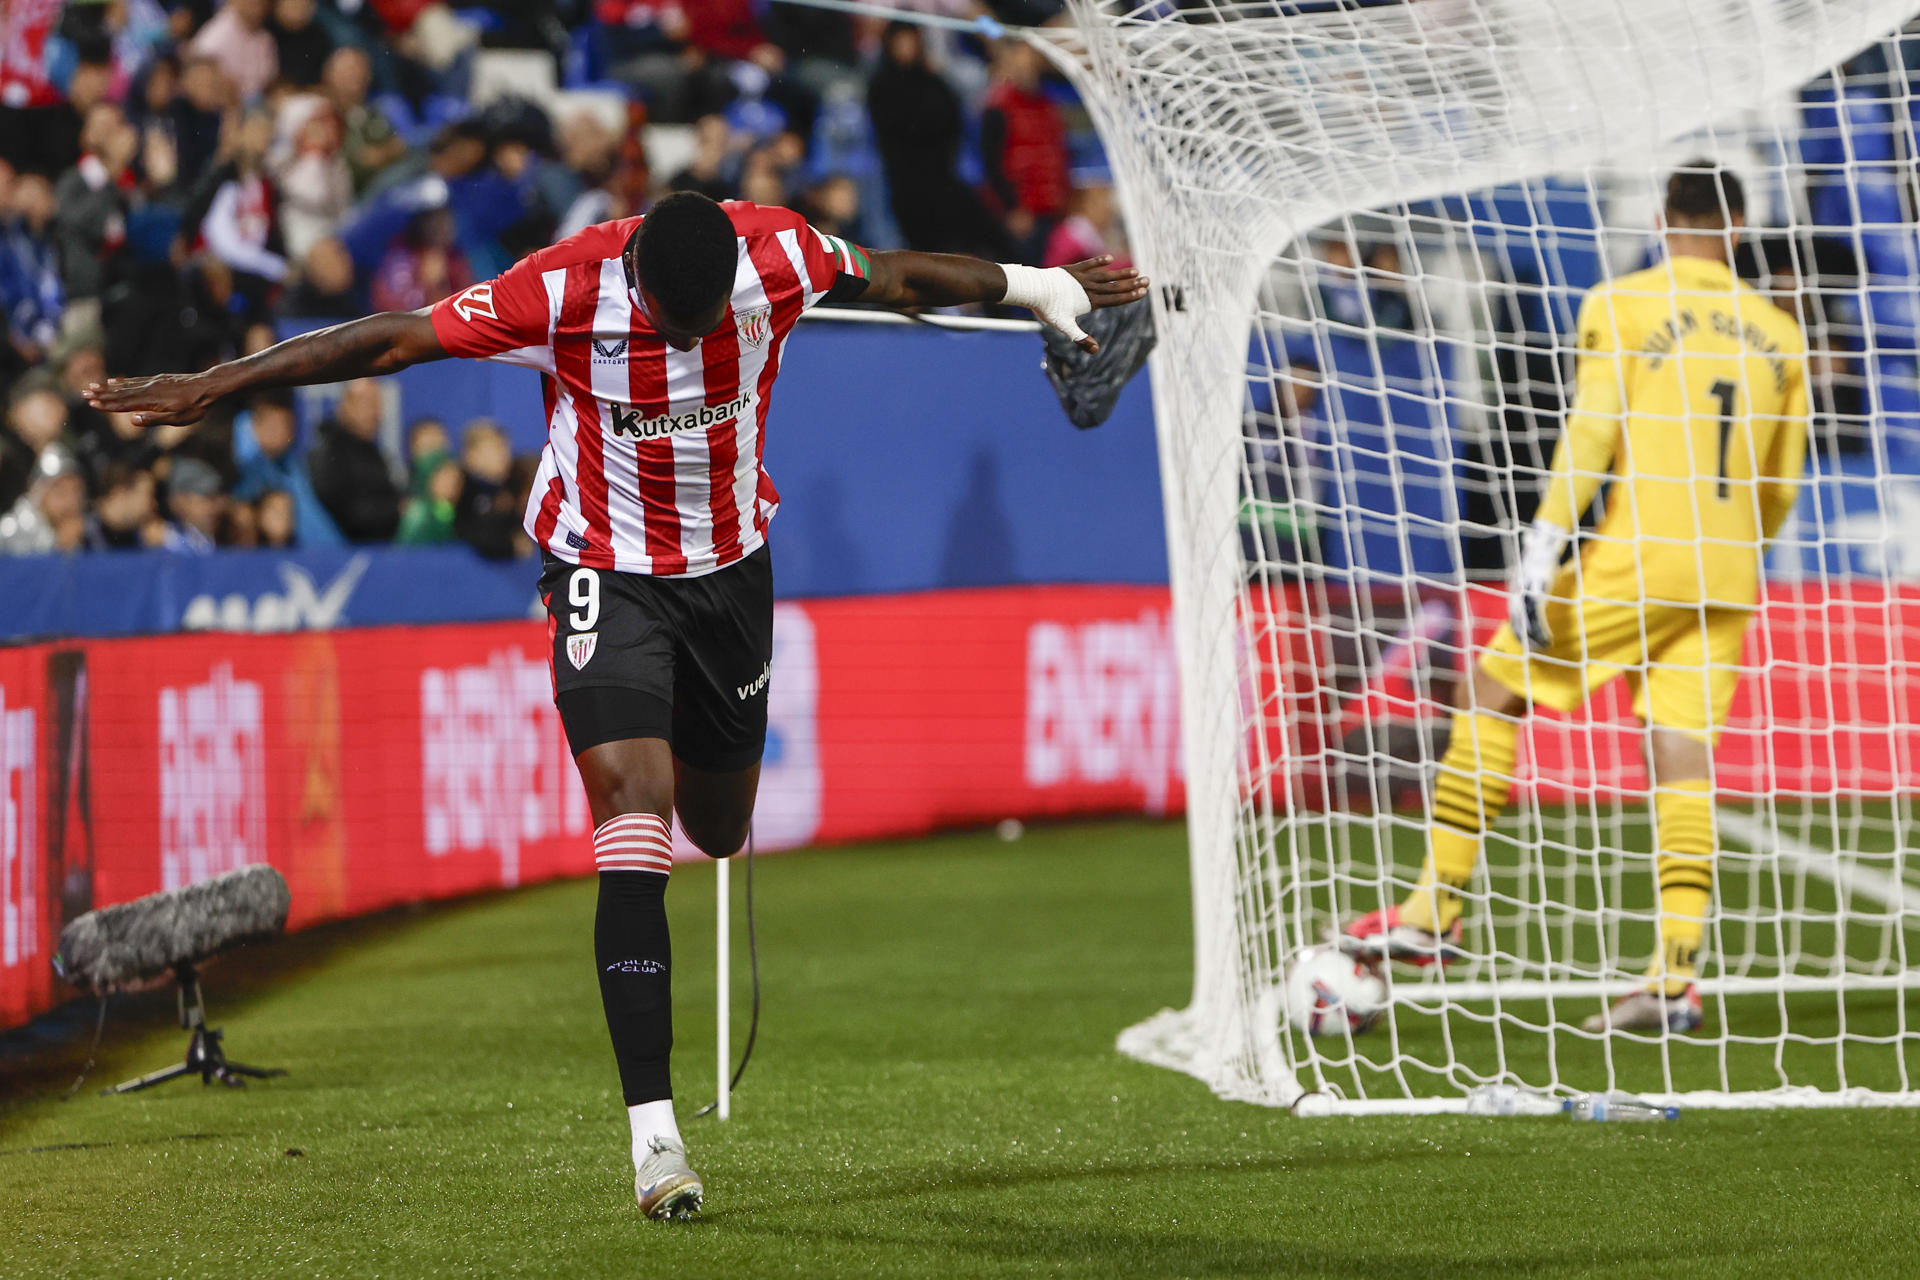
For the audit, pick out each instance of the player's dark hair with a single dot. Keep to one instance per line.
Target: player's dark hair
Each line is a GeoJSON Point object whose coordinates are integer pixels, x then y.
{"type": "Point", "coordinates": [1702, 194]}
{"type": "Point", "coordinates": [685, 253]}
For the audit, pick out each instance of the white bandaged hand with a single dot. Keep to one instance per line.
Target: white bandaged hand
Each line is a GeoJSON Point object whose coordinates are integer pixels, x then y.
{"type": "Point", "coordinates": [1050, 293]}
{"type": "Point", "coordinates": [1540, 550]}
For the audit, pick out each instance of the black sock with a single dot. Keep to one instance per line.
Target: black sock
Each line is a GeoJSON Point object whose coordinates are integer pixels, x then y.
{"type": "Point", "coordinates": [631, 951]}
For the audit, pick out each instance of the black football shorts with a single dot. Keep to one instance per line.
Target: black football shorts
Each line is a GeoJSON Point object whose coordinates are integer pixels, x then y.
{"type": "Point", "coordinates": [684, 659]}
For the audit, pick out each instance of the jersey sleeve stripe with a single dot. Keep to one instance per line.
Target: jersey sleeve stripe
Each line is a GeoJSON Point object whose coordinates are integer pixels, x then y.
{"type": "Point", "coordinates": [582, 296]}
{"type": "Point", "coordinates": [655, 473]}
{"type": "Point", "coordinates": [782, 281]}
{"type": "Point", "coordinates": [796, 256]}
{"type": "Point", "coordinates": [720, 370]}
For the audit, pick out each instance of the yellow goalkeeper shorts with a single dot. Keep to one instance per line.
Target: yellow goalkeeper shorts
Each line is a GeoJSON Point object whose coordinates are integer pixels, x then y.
{"type": "Point", "coordinates": [1683, 661]}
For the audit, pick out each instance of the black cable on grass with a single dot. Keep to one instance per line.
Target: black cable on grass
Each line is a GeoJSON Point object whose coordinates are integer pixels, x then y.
{"type": "Point", "coordinates": [99, 1030]}
{"type": "Point", "coordinates": [753, 964]}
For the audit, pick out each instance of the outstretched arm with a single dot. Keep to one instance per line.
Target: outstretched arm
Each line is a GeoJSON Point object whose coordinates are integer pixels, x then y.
{"type": "Point", "coordinates": [382, 343]}
{"type": "Point", "coordinates": [905, 279]}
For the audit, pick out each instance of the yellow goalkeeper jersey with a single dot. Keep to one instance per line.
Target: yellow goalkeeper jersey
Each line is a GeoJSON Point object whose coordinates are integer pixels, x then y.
{"type": "Point", "coordinates": [1691, 397]}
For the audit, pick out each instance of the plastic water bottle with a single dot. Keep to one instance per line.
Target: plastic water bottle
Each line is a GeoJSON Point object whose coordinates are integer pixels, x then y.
{"type": "Point", "coordinates": [1617, 1107]}
{"type": "Point", "coordinates": [1510, 1100]}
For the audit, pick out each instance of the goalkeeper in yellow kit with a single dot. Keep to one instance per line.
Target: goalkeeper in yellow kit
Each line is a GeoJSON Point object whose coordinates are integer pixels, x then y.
{"type": "Point", "coordinates": [1691, 398]}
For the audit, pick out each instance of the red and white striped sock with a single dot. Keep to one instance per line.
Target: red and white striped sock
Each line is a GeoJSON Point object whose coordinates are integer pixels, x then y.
{"type": "Point", "coordinates": [634, 842]}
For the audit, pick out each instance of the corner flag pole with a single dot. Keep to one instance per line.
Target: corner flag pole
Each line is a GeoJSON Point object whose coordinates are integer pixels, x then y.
{"type": "Point", "coordinates": [723, 982]}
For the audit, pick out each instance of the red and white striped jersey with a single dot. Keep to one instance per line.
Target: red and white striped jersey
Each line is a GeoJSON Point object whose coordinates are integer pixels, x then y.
{"type": "Point", "coordinates": [652, 463]}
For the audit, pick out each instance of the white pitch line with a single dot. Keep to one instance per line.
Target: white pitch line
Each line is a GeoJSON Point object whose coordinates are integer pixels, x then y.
{"type": "Point", "coordinates": [1836, 868]}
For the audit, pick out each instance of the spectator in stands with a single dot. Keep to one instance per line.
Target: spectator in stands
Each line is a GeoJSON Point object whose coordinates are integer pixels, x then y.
{"type": "Point", "coordinates": [30, 289]}
{"type": "Point", "coordinates": [427, 441]}
{"type": "Point", "coordinates": [325, 289]}
{"type": "Point", "coordinates": [198, 114]}
{"type": "Point", "coordinates": [31, 104]}
{"type": "Point", "coordinates": [434, 504]}
{"type": "Point", "coordinates": [90, 219]}
{"type": "Point", "coordinates": [274, 515]}
{"type": "Point", "coordinates": [36, 417]}
{"type": "Point", "coordinates": [732, 58]}
{"type": "Point", "coordinates": [1090, 228]}
{"type": "Point", "coordinates": [237, 38]}
{"type": "Point", "coordinates": [124, 516]}
{"type": "Point", "coordinates": [429, 34]}
{"type": "Point", "coordinates": [918, 126]}
{"type": "Point", "coordinates": [1816, 280]}
{"type": "Point", "coordinates": [832, 205]}
{"type": "Point", "coordinates": [150, 101]}
{"type": "Point", "coordinates": [241, 226]}
{"type": "Point", "coordinates": [822, 48]}
{"type": "Point", "coordinates": [484, 203]}
{"type": "Point", "coordinates": [763, 178]}
{"type": "Point", "coordinates": [266, 449]}
{"type": "Point", "coordinates": [310, 173]}
{"type": "Point", "coordinates": [370, 140]}
{"type": "Point", "coordinates": [1023, 142]}
{"type": "Point", "coordinates": [421, 266]}
{"type": "Point", "coordinates": [350, 473]}
{"type": "Point", "coordinates": [586, 161]}
{"type": "Point", "coordinates": [239, 525]}
{"type": "Point", "coordinates": [488, 518]}
{"type": "Point", "coordinates": [79, 360]}
{"type": "Point", "coordinates": [44, 137]}
{"type": "Point", "coordinates": [300, 42]}
{"type": "Point", "coordinates": [198, 504]}
{"type": "Point", "coordinates": [643, 40]}
{"type": "Point", "coordinates": [707, 171]}
{"type": "Point", "coordinates": [51, 514]}
{"type": "Point", "coordinates": [114, 441]}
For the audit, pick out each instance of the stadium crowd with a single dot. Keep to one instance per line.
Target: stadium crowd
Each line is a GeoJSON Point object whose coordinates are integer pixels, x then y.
{"type": "Point", "coordinates": [182, 181]}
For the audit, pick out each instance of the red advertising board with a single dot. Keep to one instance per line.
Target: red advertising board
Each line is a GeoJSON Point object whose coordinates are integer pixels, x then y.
{"type": "Point", "coordinates": [393, 765]}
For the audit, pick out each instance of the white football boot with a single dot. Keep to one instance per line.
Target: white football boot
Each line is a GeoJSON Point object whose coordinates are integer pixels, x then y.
{"type": "Point", "coordinates": [666, 1185]}
{"type": "Point", "coordinates": [1650, 1011]}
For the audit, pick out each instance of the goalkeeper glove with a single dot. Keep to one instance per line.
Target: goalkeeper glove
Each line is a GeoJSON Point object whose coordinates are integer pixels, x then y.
{"type": "Point", "coordinates": [1050, 293]}
{"type": "Point", "coordinates": [1540, 549]}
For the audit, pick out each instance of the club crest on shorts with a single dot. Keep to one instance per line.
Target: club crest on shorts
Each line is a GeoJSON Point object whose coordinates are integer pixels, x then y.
{"type": "Point", "coordinates": [755, 325]}
{"type": "Point", "coordinates": [580, 648]}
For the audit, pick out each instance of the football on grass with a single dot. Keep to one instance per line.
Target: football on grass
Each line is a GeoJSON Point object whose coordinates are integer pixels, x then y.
{"type": "Point", "coordinates": [1330, 993]}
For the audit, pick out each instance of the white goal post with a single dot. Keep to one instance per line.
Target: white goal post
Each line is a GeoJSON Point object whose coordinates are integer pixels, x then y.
{"type": "Point", "coordinates": [1370, 226]}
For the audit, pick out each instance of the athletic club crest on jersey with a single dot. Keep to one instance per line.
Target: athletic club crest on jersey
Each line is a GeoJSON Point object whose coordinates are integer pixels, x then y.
{"type": "Point", "coordinates": [580, 648]}
{"type": "Point", "coordinates": [755, 325]}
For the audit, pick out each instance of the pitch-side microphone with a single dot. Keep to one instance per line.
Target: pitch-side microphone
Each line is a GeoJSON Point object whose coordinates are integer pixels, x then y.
{"type": "Point", "coordinates": [124, 947]}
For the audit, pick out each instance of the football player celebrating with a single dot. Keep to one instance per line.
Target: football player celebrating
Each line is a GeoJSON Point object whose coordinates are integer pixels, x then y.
{"type": "Point", "coordinates": [658, 339]}
{"type": "Point", "coordinates": [1691, 399]}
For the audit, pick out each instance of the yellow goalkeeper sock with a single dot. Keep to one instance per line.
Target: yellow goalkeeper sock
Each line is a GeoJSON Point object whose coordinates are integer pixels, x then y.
{"type": "Point", "coordinates": [1683, 826]}
{"type": "Point", "coordinates": [1476, 777]}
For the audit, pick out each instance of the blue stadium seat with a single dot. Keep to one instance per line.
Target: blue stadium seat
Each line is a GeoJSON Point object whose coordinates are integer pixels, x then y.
{"type": "Point", "coordinates": [586, 58]}
{"type": "Point", "coordinates": [1870, 129]}
{"type": "Point", "coordinates": [1893, 313]}
{"type": "Point", "coordinates": [1544, 234]}
{"type": "Point", "coordinates": [1897, 415]}
{"type": "Point", "coordinates": [1862, 132]}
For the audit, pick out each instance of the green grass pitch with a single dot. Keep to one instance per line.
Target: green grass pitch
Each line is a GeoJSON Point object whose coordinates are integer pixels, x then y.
{"type": "Point", "coordinates": [936, 1094]}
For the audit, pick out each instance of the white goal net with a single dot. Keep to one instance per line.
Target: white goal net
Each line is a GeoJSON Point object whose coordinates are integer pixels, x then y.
{"type": "Point", "coordinates": [1371, 227]}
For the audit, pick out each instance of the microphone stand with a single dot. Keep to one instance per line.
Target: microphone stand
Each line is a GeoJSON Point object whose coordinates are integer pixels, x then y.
{"type": "Point", "coordinates": [205, 1057]}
